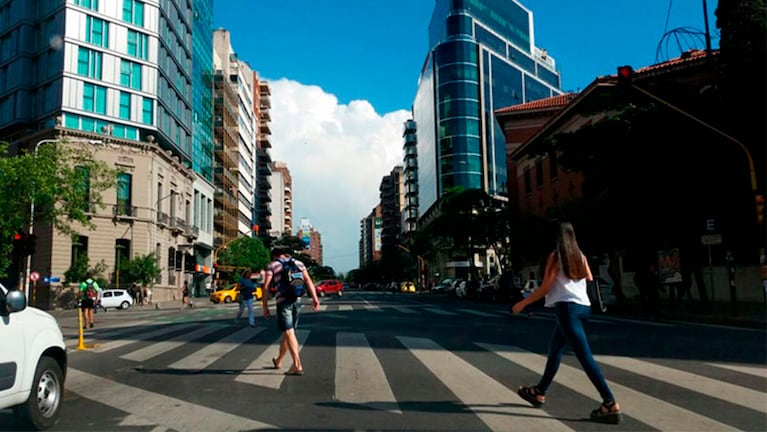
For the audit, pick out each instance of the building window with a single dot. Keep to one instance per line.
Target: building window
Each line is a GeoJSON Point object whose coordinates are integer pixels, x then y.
{"type": "Point", "coordinates": [125, 105]}
{"type": "Point", "coordinates": [124, 194]}
{"type": "Point", "coordinates": [528, 186]}
{"type": "Point", "coordinates": [89, 4]}
{"type": "Point", "coordinates": [79, 249]}
{"type": "Point", "coordinates": [130, 74]}
{"type": "Point", "coordinates": [147, 111]}
{"type": "Point", "coordinates": [539, 173]}
{"type": "Point", "coordinates": [89, 63]}
{"type": "Point", "coordinates": [133, 12]}
{"type": "Point", "coordinates": [122, 255]}
{"type": "Point", "coordinates": [83, 187]}
{"type": "Point", "coordinates": [94, 98]}
{"type": "Point", "coordinates": [97, 32]}
{"type": "Point", "coordinates": [138, 44]}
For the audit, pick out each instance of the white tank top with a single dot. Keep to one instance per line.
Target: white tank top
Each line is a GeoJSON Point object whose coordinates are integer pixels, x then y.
{"type": "Point", "coordinates": [565, 289]}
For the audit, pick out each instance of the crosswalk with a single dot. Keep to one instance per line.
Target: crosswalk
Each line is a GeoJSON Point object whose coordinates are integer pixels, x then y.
{"type": "Point", "coordinates": [363, 368]}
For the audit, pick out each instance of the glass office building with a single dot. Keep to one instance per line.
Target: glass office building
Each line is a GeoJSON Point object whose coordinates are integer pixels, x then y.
{"type": "Point", "coordinates": [482, 57]}
{"type": "Point", "coordinates": [202, 89]}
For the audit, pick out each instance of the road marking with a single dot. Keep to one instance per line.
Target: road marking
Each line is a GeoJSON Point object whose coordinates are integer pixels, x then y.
{"type": "Point", "coordinates": [158, 348]}
{"type": "Point", "coordinates": [757, 371]}
{"type": "Point", "coordinates": [439, 311]}
{"type": "Point", "coordinates": [344, 308]}
{"type": "Point", "coordinates": [700, 384]}
{"type": "Point", "coordinates": [478, 313]}
{"type": "Point", "coordinates": [212, 352]}
{"type": "Point", "coordinates": [373, 308]}
{"type": "Point", "coordinates": [486, 397]}
{"type": "Point", "coordinates": [654, 412]}
{"type": "Point", "coordinates": [168, 412]}
{"type": "Point", "coordinates": [107, 346]}
{"type": "Point", "coordinates": [360, 378]}
{"type": "Point", "coordinates": [404, 309]}
{"type": "Point", "coordinates": [261, 373]}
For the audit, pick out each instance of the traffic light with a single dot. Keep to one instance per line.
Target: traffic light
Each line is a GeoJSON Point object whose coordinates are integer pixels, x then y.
{"type": "Point", "coordinates": [24, 244]}
{"type": "Point", "coordinates": [625, 76]}
{"type": "Point", "coordinates": [760, 209]}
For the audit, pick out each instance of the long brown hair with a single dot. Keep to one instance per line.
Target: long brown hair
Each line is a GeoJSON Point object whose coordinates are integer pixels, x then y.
{"type": "Point", "coordinates": [569, 254]}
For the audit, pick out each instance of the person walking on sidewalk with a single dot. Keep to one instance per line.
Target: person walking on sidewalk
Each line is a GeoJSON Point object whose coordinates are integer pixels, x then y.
{"type": "Point", "coordinates": [246, 298]}
{"type": "Point", "coordinates": [288, 307]}
{"type": "Point", "coordinates": [564, 287]}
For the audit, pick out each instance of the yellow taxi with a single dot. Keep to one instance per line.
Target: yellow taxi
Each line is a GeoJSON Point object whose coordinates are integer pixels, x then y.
{"type": "Point", "coordinates": [407, 287]}
{"type": "Point", "coordinates": [231, 293]}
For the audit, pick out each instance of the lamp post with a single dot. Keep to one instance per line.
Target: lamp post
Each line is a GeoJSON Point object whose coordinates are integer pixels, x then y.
{"type": "Point", "coordinates": [32, 204]}
{"type": "Point", "coordinates": [420, 261]}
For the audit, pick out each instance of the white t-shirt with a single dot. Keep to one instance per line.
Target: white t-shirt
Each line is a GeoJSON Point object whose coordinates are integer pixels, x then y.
{"type": "Point", "coordinates": [565, 289]}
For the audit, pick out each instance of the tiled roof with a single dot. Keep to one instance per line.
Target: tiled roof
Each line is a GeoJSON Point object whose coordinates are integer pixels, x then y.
{"type": "Point", "coordinates": [687, 57]}
{"type": "Point", "coordinates": [550, 102]}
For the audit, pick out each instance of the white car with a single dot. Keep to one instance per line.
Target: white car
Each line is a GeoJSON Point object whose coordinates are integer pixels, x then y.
{"type": "Point", "coordinates": [116, 298]}
{"type": "Point", "coordinates": [33, 361]}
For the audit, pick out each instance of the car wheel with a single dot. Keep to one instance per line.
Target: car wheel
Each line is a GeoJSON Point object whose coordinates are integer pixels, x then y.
{"type": "Point", "coordinates": [322, 293]}
{"type": "Point", "coordinates": [43, 407]}
{"type": "Point", "coordinates": [340, 293]}
{"type": "Point", "coordinates": [227, 299]}
{"type": "Point", "coordinates": [125, 304]}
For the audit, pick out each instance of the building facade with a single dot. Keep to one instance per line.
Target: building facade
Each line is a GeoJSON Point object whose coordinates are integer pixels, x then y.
{"type": "Point", "coordinates": [482, 56]}
{"type": "Point", "coordinates": [312, 240]}
{"type": "Point", "coordinates": [370, 237]}
{"type": "Point", "coordinates": [410, 173]}
{"type": "Point", "coordinates": [119, 73]}
{"type": "Point", "coordinates": [262, 209]}
{"type": "Point", "coordinates": [392, 196]}
{"type": "Point", "coordinates": [281, 207]}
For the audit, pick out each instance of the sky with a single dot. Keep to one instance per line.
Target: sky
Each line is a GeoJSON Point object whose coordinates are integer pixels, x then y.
{"type": "Point", "coordinates": [343, 76]}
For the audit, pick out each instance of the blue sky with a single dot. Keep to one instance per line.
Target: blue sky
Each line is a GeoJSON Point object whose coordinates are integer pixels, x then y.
{"type": "Point", "coordinates": [344, 74]}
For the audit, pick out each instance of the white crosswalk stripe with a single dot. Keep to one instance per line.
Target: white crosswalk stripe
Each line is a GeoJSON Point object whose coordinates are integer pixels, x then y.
{"type": "Point", "coordinates": [757, 371]}
{"type": "Point", "coordinates": [647, 409]}
{"type": "Point", "coordinates": [261, 373]}
{"type": "Point", "coordinates": [477, 313]}
{"type": "Point", "coordinates": [158, 348]}
{"type": "Point", "coordinates": [209, 354]}
{"type": "Point", "coordinates": [359, 376]}
{"type": "Point", "coordinates": [439, 311]}
{"type": "Point", "coordinates": [117, 343]}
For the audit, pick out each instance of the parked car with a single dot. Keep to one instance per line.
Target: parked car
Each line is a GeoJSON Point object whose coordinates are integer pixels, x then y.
{"type": "Point", "coordinates": [33, 361]}
{"type": "Point", "coordinates": [330, 286]}
{"type": "Point", "coordinates": [116, 298]}
{"type": "Point", "coordinates": [407, 287]}
{"type": "Point", "coordinates": [446, 286]}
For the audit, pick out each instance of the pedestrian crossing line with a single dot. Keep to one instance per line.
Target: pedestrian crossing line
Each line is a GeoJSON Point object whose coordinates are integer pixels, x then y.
{"type": "Point", "coordinates": [359, 377]}
{"type": "Point", "coordinates": [345, 308]}
{"type": "Point", "coordinates": [731, 393]}
{"type": "Point", "coordinates": [155, 349]}
{"type": "Point", "coordinates": [210, 353]}
{"type": "Point", "coordinates": [169, 412]}
{"type": "Point", "coordinates": [133, 337]}
{"type": "Point", "coordinates": [439, 311]}
{"type": "Point", "coordinates": [491, 404]}
{"type": "Point", "coordinates": [373, 308]}
{"type": "Point", "coordinates": [477, 313]}
{"type": "Point", "coordinates": [261, 373]}
{"type": "Point", "coordinates": [757, 371]}
{"type": "Point", "coordinates": [404, 309]}
{"type": "Point", "coordinates": [323, 307]}
{"type": "Point", "coordinates": [651, 411]}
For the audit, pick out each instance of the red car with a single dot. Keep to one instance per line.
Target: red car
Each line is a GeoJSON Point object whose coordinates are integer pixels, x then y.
{"type": "Point", "coordinates": [330, 286]}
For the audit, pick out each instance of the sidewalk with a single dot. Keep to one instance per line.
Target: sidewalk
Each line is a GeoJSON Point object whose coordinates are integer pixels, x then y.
{"type": "Point", "coordinates": [745, 314]}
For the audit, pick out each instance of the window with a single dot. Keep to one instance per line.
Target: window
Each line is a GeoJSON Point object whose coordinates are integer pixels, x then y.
{"type": "Point", "coordinates": [147, 111]}
{"type": "Point", "coordinates": [89, 63]}
{"type": "Point", "coordinates": [94, 98]}
{"type": "Point", "coordinates": [97, 32]}
{"type": "Point", "coordinates": [124, 192]}
{"type": "Point", "coordinates": [79, 249]}
{"type": "Point", "coordinates": [122, 254]}
{"type": "Point", "coordinates": [133, 12]}
{"type": "Point", "coordinates": [159, 197]}
{"type": "Point", "coordinates": [83, 187]}
{"type": "Point", "coordinates": [90, 4]}
{"type": "Point", "coordinates": [138, 44]}
{"type": "Point", "coordinates": [539, 173]}
{"type": "Point", "coordinates": [528, 186]}
{"type": "Point", "coordinates": [125, 105]}
{"type": "Point", "coordinates": [130, 74]}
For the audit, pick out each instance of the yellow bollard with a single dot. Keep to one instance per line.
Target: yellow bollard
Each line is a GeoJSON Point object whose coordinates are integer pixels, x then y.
{"type": "Point", "coordinates": [81, 345]}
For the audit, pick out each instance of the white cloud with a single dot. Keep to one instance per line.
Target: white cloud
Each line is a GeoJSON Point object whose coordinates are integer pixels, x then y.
{"type": "Point", "coordinates": [337, 155]}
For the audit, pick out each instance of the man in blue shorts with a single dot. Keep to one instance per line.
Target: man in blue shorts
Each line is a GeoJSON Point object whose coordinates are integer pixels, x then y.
{"type": "Point", "coordinates": [288, 309]}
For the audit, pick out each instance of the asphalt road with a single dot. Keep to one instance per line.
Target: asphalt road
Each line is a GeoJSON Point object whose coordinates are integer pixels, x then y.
{"type": "Point", "coordinates": [378, 361]}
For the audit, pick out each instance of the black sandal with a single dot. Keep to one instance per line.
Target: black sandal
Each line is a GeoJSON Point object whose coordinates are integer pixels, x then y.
{"type": "Point", "coordinates": [607, 413]}
{"type": "Point", "coordinates": [530, 394]}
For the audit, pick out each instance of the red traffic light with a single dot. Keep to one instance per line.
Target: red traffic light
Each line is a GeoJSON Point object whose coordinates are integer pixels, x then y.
{"type": "Point", "coordinates": [17, 237]}
{"type": "Point", "coordinates": [625, 72]}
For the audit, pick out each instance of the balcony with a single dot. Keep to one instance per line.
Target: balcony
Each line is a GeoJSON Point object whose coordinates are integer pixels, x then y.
{"type": "Point", "coordinates": [177, 225]}
{"type": "Point", "coordinates": [163, 219]}
{"type": "Point", "coordinates": [192, 232]}
{"type": "Point", "coordinates": [124, 212]}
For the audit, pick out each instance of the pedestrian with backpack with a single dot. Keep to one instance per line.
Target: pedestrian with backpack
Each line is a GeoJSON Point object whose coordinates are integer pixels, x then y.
{"type": "Point", "coordinates": [246, 287]}
{"type": "Point", "coordinates": [292, 282]}
{"type": "Point", "coordinates": [89, 296]}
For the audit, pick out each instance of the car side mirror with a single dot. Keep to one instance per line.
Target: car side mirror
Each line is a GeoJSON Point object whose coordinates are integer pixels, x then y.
{"type": "Point", "coordinates": [15, 301]}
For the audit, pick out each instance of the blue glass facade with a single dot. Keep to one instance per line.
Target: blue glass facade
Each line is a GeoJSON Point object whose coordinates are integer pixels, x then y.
{"type": "Point", "coordinates": [202, 89]}
{"type": "Point", "coordinates": [481, 59]}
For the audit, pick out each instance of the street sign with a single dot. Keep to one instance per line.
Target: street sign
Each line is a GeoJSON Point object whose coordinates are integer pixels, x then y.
{"type": "Point", "coordinates": [54, 279]}
{"type": "Point", "coordinates": [34, 276]}
{"type": "Point", "coordinates": [711, 239]}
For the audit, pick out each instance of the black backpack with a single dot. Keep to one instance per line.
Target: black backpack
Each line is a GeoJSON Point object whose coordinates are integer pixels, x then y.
{"type": "Point", "coordinates": [292, 283]}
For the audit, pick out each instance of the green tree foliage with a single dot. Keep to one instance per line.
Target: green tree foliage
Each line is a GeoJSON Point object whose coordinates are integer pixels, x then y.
{"type": "Point", "coordinates": [319, 273]}
{"type": "Point", "coordinates": [56, 182]}
{"type": "Point", "coordinates": [290, 243]}
{"type": "Point", "coordinates": [245, 252]}
{"type": "Point", "coordinates": [81, 268]}
{"type": "Point", "coordinates": [141, 269]}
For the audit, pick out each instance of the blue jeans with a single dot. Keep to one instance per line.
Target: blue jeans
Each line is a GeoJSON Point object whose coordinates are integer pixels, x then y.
{"type": "Point", "coordinates": [249, 304]}
{"type": "Point", "coordinates": [569, 329]}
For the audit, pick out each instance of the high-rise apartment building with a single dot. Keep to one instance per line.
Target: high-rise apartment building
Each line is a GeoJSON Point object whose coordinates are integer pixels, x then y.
{"type": "Point", "coordinates": [482, 56]}
{"type": "Point", "coordinates": [281, 206]}
{"type": "Point", "coordinates": [392, 196]}
{"type": "Point", "coordinates": [120, 73]}
{"type": "Point", "coordinates": [312, 239]}
{"type": "Point", "coordinates": [262, 210]}
{"type": "Point", "coordinates": [410, 172]}
{"type": "Point", "coordinates": [370, 237]}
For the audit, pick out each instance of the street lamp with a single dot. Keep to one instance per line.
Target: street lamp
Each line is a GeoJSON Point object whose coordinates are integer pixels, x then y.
{"type": "Point", "coordinates": [32, 203]}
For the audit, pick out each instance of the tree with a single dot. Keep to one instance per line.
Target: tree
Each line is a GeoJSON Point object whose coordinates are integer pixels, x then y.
{"type": "Point", "coordinates": [63, 180]}
{"type": "Point", "coordinates": [142, 269]}
{"type": "Point", "coordinates": [291, 243]}
{"type": "Point", "coordinates": [245, 252]}
{"type": "Point", "coordinates": [80, 269]}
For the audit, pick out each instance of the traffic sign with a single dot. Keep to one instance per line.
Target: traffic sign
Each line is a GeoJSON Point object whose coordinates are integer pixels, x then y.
{"type": "Point", "coordinates": [711, 239]}
{"type": "Point", "coordinates": [34, 276]}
